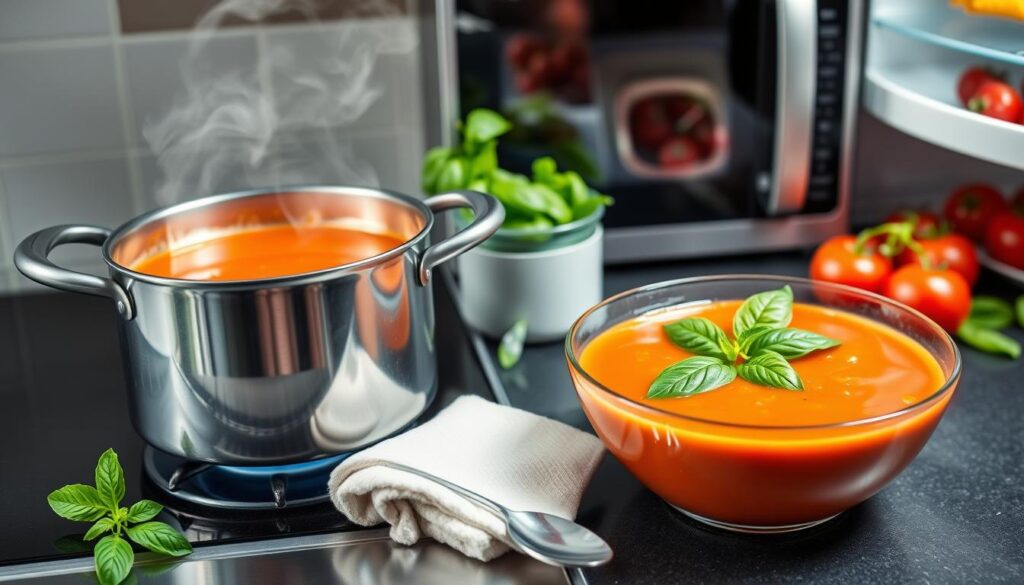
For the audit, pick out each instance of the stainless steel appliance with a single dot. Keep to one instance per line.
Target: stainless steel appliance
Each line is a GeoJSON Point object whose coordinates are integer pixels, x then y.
{"type": "Point", "coordinates": [281, 369]}
{"type": "Point", "coordinates": [718, 126]}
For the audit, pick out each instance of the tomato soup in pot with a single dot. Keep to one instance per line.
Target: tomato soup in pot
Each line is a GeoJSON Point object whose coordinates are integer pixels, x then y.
{"type": "Point", "coordinates": [267, 252]}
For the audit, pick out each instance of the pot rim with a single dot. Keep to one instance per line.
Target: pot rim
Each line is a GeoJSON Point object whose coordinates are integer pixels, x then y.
{"type": "Point", "coordinates": [287, 280]}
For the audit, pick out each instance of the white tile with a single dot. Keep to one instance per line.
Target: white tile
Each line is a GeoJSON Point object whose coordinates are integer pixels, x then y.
{"type": "Point", "coordinates": [93, 192]}
{"type": "Point", "coordinates": [166, 83]}
{"type": "Point", "coordinates": [56, 100]}
{"type": "Point", "coordinates": [35, 19]}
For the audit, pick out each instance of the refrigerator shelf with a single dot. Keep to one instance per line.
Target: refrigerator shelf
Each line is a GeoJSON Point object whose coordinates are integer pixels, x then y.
{"type": "Point", "coordinates": [988, 38]}
{"type": "Point", "coordinates": [920, 101]}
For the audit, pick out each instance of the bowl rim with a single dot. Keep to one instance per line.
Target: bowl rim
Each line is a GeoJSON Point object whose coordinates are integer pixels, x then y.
{"type": "Point", "coordinates": [946, 387]}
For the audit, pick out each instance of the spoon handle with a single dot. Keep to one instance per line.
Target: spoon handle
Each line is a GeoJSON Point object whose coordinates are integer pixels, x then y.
{"type": "Point", "coordinates": [489, 504]}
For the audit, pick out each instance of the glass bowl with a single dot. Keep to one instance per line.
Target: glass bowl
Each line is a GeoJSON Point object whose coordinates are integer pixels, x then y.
{"type": "Point", "coordinates": [758, 478]}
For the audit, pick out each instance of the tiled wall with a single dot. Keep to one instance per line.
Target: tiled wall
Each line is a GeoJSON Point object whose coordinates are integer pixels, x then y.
{"type": "Point", "coordinates": [79, 79]}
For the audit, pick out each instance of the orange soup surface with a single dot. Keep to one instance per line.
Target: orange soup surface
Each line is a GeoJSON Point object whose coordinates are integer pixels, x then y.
{"type": "Point", "coordinates": [267, 252]}
{"type": "Point", "coordinates": [875, 370]}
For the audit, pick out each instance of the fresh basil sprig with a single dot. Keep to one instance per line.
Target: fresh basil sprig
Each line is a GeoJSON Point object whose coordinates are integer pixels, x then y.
{"type": "Point", "coordinates": [763, 341]}
{"type": "Point", "coordinates": [547, 199]}
{"type": "Point", "coordinates": [113, 556]}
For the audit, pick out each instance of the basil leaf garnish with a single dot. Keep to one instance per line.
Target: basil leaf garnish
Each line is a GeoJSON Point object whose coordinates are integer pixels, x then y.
{"type": "Point", "coordinates": [760, 338]}
{"type": "Point", "coordinates": [1019, 306]}
{"type": "Point", "coordinates": [789, 343]}
{"type": "Point", "coordinates": [78, 502]}
{"type": "Point", "coordinates": [114, 558]}
{"type": "Point", "coordinates": [770, 369]}
{"type": "Point", "coordinates": [692, 376]}
{"type": "Point", "coordinates": [773, 308]}
{"type": "Point", "coordinates": [161, 538]}
{"type": "Point", "coordinates": [700, 336]}
{"type": "Point", "coordinates": [110, 479]}
{"type": "Point", "coordinates": [990, 312]}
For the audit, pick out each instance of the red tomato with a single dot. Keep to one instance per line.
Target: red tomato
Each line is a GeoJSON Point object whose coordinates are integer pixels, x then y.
{"type": "Point", "coordinates": [926, 223]}
{"type": "Point", "coordinates": [943, 295]}
{"type": "Point", "coordinates": [837, 260]}
{"type": "Point", "coordinates": [1018, 200]}
{"type": "Point", "coordinates": [971, 207]}
{"type": "Point", "coordinates": [951, 251]}
{"type": "Point", "coordinates": [519, 49]}
{"type": "Point", "coordinates": [996, 99]}
{"type": "Point", "coordinates": [649, 124]}
{"type": "Point", "coordinates": [971, 80]}
{"type": "Point", "coordinates": [678, 152]}
{"type": "Point", "coordinates": [1004, 239]}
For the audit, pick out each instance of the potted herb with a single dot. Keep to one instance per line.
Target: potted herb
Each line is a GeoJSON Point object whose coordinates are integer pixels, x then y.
{"type": "Point", "coordinates": [544, 265]}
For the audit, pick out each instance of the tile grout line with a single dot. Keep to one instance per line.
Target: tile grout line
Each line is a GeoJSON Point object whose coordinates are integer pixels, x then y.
{"type": "Point", "coordinates": [265, 77]}
{"type": "Point", "coordinates": [9, 281]}
{"type": "Point", "coordinates": [128, 127]}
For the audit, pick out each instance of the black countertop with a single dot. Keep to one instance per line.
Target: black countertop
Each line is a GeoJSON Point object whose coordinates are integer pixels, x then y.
{"type": "Point", "coordinates": [956, 515]}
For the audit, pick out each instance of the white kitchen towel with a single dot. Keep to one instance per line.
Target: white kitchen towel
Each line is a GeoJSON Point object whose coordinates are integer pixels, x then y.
{"type": "Point", "coordinates": [515, 458]}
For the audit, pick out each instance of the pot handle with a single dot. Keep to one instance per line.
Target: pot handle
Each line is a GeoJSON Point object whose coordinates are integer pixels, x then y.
{"type": "Point", "coordinates": [31, 258]}
{"type": "Point", "coordinates": [488, 216]}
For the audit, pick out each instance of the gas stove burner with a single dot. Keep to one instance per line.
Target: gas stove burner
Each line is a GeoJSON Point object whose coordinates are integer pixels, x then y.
{"type": "Point", "coordinates": [242, 488]}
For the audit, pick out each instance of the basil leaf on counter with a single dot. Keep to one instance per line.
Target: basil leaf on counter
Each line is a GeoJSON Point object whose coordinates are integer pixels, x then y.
{"type": "Point", "coordinates": [160, 538]}
{"type": "Point", "coordinates": [789, 343]}
{"type": "Point", "coordinates": [114, 558]}
{"type": "Point", "coordinates": [1020, 310]}
{"type": "Point", "coordinates": [102, 526]}
{"type": "Point", "coordinates": [78, 502]}
{"type": "Point", "coordinates": [702, 337]}
{"type": "Point", "coordinates": [692, 376]}
{"type": "Point", "coordinates": [510, 349]}
{"type": "Point", "coordinates": [143, 510]}
{"type": "Point", "coordinates": [770, 369]}
{"type": "Point", "coordinates": [773, 308]}
{"type": "Point", "coordinates": [110, 479]}
{"type": "Point", "coordinates": [990, 312]}
{"type": "Point", "coordinates": [988, 340]}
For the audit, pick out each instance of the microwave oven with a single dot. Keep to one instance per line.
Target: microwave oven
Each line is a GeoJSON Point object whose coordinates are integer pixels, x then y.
{"type": "Point", "coordinates": [718, 126]}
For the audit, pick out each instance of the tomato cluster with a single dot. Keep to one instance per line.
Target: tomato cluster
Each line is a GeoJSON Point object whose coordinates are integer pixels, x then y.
{"type": "Point", "coordinates": [910, 259]}
{"type": "Point", "coordinates": [927, 261]}
{"type": "Point", "coordinates": [980, 212]}
{"type": "Point", "coordinates": [560, 66]}
{"type": "Point", "coordinates": [986, 92]}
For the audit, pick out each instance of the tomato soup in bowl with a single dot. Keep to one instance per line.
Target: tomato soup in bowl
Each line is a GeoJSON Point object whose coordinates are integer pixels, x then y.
{"type": "Point", "coordinates": [771, 433]}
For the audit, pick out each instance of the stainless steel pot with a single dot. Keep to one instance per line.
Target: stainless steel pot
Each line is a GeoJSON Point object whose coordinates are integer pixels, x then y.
{"type": "Point", "coordinates": [280, 369]}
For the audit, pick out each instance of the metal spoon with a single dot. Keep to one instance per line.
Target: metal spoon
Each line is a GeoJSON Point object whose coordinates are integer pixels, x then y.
{"type": "Point", "coordinates": [548, 538]}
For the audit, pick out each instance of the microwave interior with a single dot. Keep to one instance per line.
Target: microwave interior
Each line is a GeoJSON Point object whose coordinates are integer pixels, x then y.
{"type": "Point", "coordinates": [670, 107]}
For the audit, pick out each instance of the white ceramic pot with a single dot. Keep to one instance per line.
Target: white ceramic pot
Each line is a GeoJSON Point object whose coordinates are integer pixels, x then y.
{"type": "Point", "coordinates": [548, 288]}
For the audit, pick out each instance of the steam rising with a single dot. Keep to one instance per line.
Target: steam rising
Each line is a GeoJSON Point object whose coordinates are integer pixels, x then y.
{"type": "Point", "coordinates": [283, 121]}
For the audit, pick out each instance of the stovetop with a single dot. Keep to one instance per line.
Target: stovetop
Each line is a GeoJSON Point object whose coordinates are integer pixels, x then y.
{"type": "Point", "coordinates": [64, 403]}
